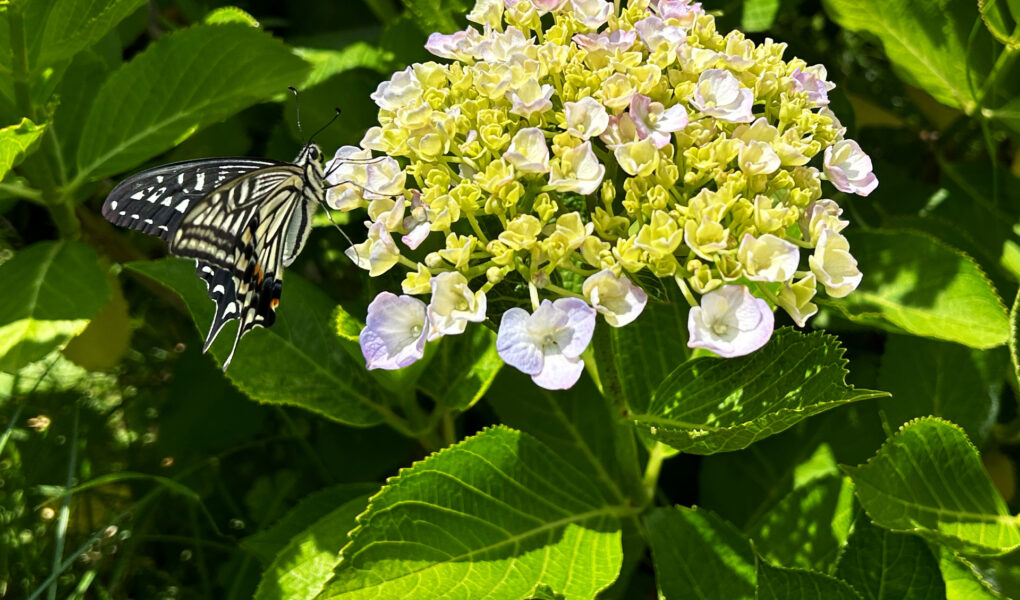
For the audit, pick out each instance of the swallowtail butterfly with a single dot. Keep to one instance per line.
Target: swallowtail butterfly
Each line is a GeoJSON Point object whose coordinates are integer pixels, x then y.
{"type": "Point", "coordinates": [243, 220]}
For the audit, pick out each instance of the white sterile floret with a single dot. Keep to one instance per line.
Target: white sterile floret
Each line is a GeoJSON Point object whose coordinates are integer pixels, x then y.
{"type": "Point", "coordinates": [401, 90]}
{"type": "Point", "coordinates": [531, 98]}
{"type": "Point", "coordinates": [578, 170]}
{"type": "Point", "coordinates": [416, 224]}
{"type": "Point", "coordinates": [720, 95]}
{"type": "Point", "coordinates": [730, 322]}
{"type": "Point", "coordinates": [378, 253]}
{"type": "Point", "coordinates": [615, 297]}
{"type": "Point", "coordinates": [849, 168]}
{"type": "Point", "coordinates": [547, 344]}
{"type": "Point", "coordinates": [833, 264]}
{"type": "Point", "coordinates": [768, 258]}
{"type": "Point", "coordinates": [655, 121]}
{"type": "Point", "coordinates": [453, 305]}
{"type": "Point", "coordinates": [347, 177]}
{"type": "Point", "coordinates": [758, 158]}
{"type": "Point", "coordinates": [528, 152]}
{"type": "Point", "coordinates": [585, 118]}
{"type": "Point", "coordinates": [660, 37]}
{"type": "Point", "coordinates": [488, 13]}
{"type": "Point", "coordinates": [820, 215]}
{"type": "Point", "coordinates": [384, 179]}
{"type": "Point", "coordinates": [459, 45]}
{"type": "Point", "coordinates": [592, 13]}
{"type": "Point", "coordinates": [394, 333]}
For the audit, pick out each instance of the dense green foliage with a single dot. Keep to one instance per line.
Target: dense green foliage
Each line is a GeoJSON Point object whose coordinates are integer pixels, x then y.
{"type": "Point", "coordinates": [873, 460]}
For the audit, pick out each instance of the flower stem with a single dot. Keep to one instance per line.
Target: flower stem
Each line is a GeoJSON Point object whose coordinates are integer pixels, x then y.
{"type": "Point", "coordinates": [651, 479]}
{"type": "Point", "coordinates": [563, 291]}
{"type": "Point", "coordinates": [685, 291]}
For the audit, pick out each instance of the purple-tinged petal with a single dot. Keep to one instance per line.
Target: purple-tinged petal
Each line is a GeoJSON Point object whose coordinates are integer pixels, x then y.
{"type": "Point", "coordinates": [559, 373]}
{"type": "Point", "coordinates": [515, 345]}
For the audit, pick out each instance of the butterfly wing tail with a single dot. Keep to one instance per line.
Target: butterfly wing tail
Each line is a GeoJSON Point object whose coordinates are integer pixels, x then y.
{"type": "Point", "coordinates": [223, 292]}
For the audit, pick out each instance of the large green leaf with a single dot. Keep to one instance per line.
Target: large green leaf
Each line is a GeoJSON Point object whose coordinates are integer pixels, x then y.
{"type": "Point", "coordinates": [297, 361]}
{"type": "Point", "coordinates": [51, 290]}
{"type": "Point", "coordinates": [965, 582]}
{"type": "Point", "coordinates": [928, 479]}
{"type": "Point", "coordinates": [928, 41]}
{"type": "Point", "coordinates": [70, 26]}
{"type": "Point", "coordinates": [266, 544]}
{"type": "Point", "coordinates": [462, 368]}
{"type": "Point", "coordinates": [184, 81]}
{"type": "Point", "coordinates": [778, 583]}
{"type": "Point", "coordinates": [882, 565]}
{"type": "Point", "coordinates": [928, 377]}
{"type": "Point", "coordinates": [808, 526]}
{"type": "Point", "coordinates": [914, 283]}
{"type": "Point", "coordinates": [498, 513]}
{"type": "Point", "coordinates": [712, 405]}
{"type": "Point", "coordinates": [1014, 332]}
{"type": "Point", "coordinates": [433, 16]}
{"type": "Point", "coordinates": [326, 62]}
{"type": "Point", "coordinates": [758, 15]}
{"type": "Point", "coordinates": [633, 360]}
{"type": "Point", "coordinates": [304, 566]}
{"type": "Point", "coordinates": [578, 424]}
{"type": "Point", "coordinates": [17, 142]}
{"type": "Point", "coordinates": [699, 555]}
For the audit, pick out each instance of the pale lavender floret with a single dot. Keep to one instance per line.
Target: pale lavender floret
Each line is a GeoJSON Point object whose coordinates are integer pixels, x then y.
{"type": "Point", "coordinates": [619, 40]}
{"type": "Point", "coordinates": [459, 45]}
{"type": "Point", "coordinates": [652, 120]}
{"type": "Point", "coordinates": [730, 322]}
{"type": "Point", "coordinates": [849, 168]}
{"type": "Point", "coordinates": [548, 343]}
{"type": "Point", "coordinates": [394, 333]}
{"type": "Point", "coordinates": [547, 6]}
{"type": "Point", "coordinates": [417, 223]}
{"type": "Point", "coordinates": [681, 10]}
{"type": "Point", "coordinates": [817, 89]}
{"type": "Point", "coordinates": [720, 95]}
{"type": "Point", "coordinates": [656, 34]}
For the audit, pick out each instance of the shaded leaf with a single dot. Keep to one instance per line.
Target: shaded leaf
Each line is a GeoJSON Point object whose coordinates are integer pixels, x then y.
{"type": "Point", "coordinates": [498, 512]}
{"type": "Point", "coordinates": [962, 580]}
{"type": "Point", "coordinates": [71, 26]}
{"type": "Point", "coordinates": [182, 82]}
{"type": "Point", "coordinates": [916, 284]}
{"type": "Point", "coordinates": [778, 583]}
{"type": "Point", "coordinates": [304, 566]}
{"type": "Point", "coordinates": [297, 361]}
{"type": "Point", "coordinates": [438, 16]}
{"type": "Point", "coordinates": [712, 405]}
{"type": "Point", "coordinates": [882, 565]}
{"type": "Point", "coordinates": [105, 340]}
{"type": "Point", "coordinates": [326, 62]}
{"type": "Point", "coordinates": [808, 526]}
{"type": "Point", "coordinates": [52, 290]}
{"type": "Point", "coordinates": [17, 142]}
{"type": "Point", "coordinates": [758, 15]}
{"type": "Point", "coordinates": [699, 555]}
{"type": "Point", "coordinates": [928, 41]}
{"type": "Point", "coordinates": [927, 377]}
{"type": "Point", "coordinates": [928, 479]}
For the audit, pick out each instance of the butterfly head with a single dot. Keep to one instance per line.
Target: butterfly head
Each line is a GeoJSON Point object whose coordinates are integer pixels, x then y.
{"type": "Point", "coordinates": [310, 161]}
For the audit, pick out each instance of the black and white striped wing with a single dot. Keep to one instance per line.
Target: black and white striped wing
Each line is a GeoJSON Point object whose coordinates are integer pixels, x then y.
{"type": "Point", "coordinates": [238, 234]}
{"type": "Point", "coordinates": [155, 201]}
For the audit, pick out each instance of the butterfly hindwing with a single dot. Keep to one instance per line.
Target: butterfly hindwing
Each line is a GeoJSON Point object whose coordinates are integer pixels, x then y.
{"type": "Point", "coordinates": [155, 201]}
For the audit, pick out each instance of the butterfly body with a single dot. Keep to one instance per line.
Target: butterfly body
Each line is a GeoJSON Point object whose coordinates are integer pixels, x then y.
{"type": "Point", "coordinates": [243, 220]}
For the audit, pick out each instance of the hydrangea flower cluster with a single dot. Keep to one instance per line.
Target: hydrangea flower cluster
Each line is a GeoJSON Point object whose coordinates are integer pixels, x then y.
{"type": "Point", "coordinates": [566, 150]}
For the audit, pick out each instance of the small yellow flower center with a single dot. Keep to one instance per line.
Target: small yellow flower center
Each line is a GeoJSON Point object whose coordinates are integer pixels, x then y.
{"type": "Point", "coordinates": [416, 331]}
{"type": "Point", "coordinates": [720, 328]}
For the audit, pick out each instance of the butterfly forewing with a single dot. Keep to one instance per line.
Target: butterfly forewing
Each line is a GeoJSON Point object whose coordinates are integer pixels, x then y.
{"type": "Point", "coordinates": [155, 201]}
{"type": "Point", "coordinates": [242, 220]}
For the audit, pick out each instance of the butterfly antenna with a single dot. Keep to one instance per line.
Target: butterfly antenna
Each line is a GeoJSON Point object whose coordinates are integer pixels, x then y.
{"type": "Point", "coordinates": [323, 128]}
{"type": "Point", "coordinates": [297, 109]}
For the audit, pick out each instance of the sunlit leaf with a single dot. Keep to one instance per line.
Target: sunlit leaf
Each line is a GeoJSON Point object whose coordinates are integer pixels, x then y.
{"type": "Point", "coordinates": [17, 142]}
{"type": "Point", "coordinates": [712, 405]}
{"type": "Point", "coordinates": [882, 565]}
{"type": "Point", "coordinates": [928, 479]}
{"type": "Point", "coordinates": [778, 583]}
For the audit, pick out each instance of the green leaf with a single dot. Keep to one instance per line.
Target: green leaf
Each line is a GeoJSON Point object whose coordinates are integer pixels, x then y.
{"type": "Point", "coordinates": [996, 17]}
{"type": "Point", "coordinates": [73, 25]}
{"type": "Point", "coordinates": [266, 544]}
{"type": "Point", "coordinates": [699, 555]}
{"type": "Point", "coordinates": [882, 565]}
{"type": "Point", "coordinates": [1014, 331]}
{"type": "Point", "coordinates": [928, 42]}
{"type": "Point", "coordinates": [927, 377]}
{"type": "Point", "coordinates": [807, 528]}
{"type": "Point", "coordinates": [710, 405]}
{"type": "Point", "coordinates": [928, 479]}
{"type": "Point", "coordinates": [230, 14]}
{"type": "Point", "coordinates": [962, 580]}
{"type": "Point", "coordinates": [578, 424]}
{"type": "Point", "coordinates": [52, 290]}
{"type": "Point", "coordinates": [462, 368]}
{"type": "Point", "coordinates": [1009, 114]}
{"type": "Point", "coordinates": [17, 142]}
{"type": "Point", "coordinates": [306, 563]}
{"type": "Point", "coordinates": [184, 81]}
{"type": "Point", "coordinates": [432, 16]}
{"type": "Point", "coordinates": [914, 283]}
{"type": "Point", "coordinates": [758, 15]}
{"type": "Point", "coordinates": [52, 373]}
{"type": "Point", "coordinates": [326, 62]}
{"type": "Point", "coordinates": [76, 92]}
{"type": "Point", "coordinates": [499, 512]}
{"type": "Point", "coordinates": [298, 361]}
{"type": "Point", "coordinates": [633, 360]}
{"type": "Point", "coordinates": [778, 583]}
